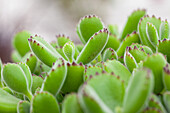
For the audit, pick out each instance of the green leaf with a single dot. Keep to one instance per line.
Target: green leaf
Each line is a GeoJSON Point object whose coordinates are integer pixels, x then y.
{"type": "Point", "coordinates": [132, 22]}
{"type": "Point", "coordinates": [90, 71]}
{"type": "Point", "coordinates": [113, 42]}
{"type": "Point", "coordinates": [130, 61]}
{"type": "Point", "coordinates": [118, 69]}
{"type": "Point", "coordinates": [31, 60]}
{"type": "Point", "coordinates": [113, 29]}
{"type": "Point", "coordinates": [138, 91]}
{"type": "Point", "coordinates": [156, 62]}
{"type": "Point", "coordinates": [71, 104]}
{"type": "Point", "coordinates": [87, 26]}
{"type": "Point", "coordinates": [142, 30]}
{"type": "Point", "coordinates": [166, 77]}
{"type": "Point", "coordinates": [74, 77]}
{"type": "Point", "coordinates": [164, 47]}
{"type": "Point", "coordinates": [164, 30]}
{"type": "Point", "coordinates": [15, 56]}
{"type": "Point", "coordinates": [69, 51]}
{"type": "Point", "coordinates": [8, 103]}
{"type": "Point", "coordinates": [109, 54]}
{"type": "Point", "coordinates": [44, 102]}
{"type": "Point", "coordinates": [166, 99]}
{"type": "Point", "coordinates": [43, 50]}
{"type": "Point", "coordinates": [20, 81]}
{"type": "Point", "coordinates": [107, 90]}
{"type": "Point", "coordinates": [37, 83]}
{"type": "Point", "coordinates": [154, 102]}
{"type": "Point", "coordinates": [62, 39]}
{"type": "Point", "coordinates": [152, 34]}
{"type": "Point", "coordinates": [132, 38]}
{"type": "Point", "coordinates": [20, 42]}
{"type": "Point", "coordinates": [93, 47]}
{"type": "Point", "coordinates": [23, 107]}
{"type": "Point", "coordinates": [55, 78]}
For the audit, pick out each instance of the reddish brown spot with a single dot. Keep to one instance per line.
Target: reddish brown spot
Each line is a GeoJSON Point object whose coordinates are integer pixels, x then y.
{"type": "Point", "coordinates": [97, 73]}
{"type": "Point", "coordinates": [135, 47]}
{"type": "Point", "coordinates": [68, 64]}
{"type": "Point", "coordinates": [27, 59]}
{"type": "Point", "coordinates": [81, 64]}
{"type": "Point", "coordinates": [118, 77]}
{"type": "Point", "coordinates": [31, 55]}
{"type": "Point", "coordinates": [74, 64]}
{"type": "Point", "coordinates": [134, 32]}
{"type": "Point", "coordinates": [153, 16]}
{"type": "Point", "coordinates": [90, 76]}
{"type": "Point", "coordinates": [112, 73]}
{"type": "Point", "coordinates": [103, 71]}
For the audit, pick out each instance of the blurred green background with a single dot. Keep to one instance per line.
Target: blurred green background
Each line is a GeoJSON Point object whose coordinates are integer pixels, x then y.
{"type": "Point", "coordinates": [51, 17]}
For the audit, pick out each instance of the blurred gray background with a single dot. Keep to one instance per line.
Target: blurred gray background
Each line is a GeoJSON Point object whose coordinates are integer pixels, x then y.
{"type": "Point", "coordinates": [51, 17]}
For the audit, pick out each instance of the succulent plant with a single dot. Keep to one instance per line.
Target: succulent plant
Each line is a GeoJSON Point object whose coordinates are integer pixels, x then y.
{"type": "Point", "coordinates": [108, 73]}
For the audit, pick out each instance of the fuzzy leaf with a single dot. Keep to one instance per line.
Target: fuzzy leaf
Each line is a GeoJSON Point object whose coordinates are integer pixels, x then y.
{"type": "Point", "coordinates": [8, 103]}
{"type": "Point", "coordinates": [166, 99]}
{"type": "Point", "coordinates": [62, 40]}
{"type": "Point", "coordinates": [132, 22]}
{"type": "Point", "coordinates": [93, 47]}
{"type": "Point", "coordinates": [31, 60]}
{"type": "Point", "coordinates": [87, 26]}
{"type": "Point", "coordinates": [69, 51]}
{"type": "Point", "coordinates": [164, 47]}
{"type": "Point", "coordinates": [23, 107]}
{"type": "Point", "coordinates": [156, 62]}
{"type": "Point", "coordinates": [79, 47]}
{"type": "Point", "coordinates": [166, 77]}
{"type": "Point", "coordinates": [55, 78]}
{"type": "Point", "coordinates": [113, 29]}
{"type": "Point", "coordinates": [37, 83]}
{"type": "Point", "coordinates": [164, 30]}
{"type": "Point", "coordinates": [90, 71]}
{"type": "Point", "coordinates": [44, 102]}
{"type": "Point", "coordinates": [20, 42]}
{"type": "Point", "coordinates": [88, 104]}
{"type": "Point", "coordinates": [113, 42]}
{"type": "Point", "coordinates": [130, 61]}
{"type": "Point", "coordinates": [109, 54]}
{"type": "Point", "coordinates": [107, 90]}
{"type": "Point", "coordinates": [20, 81]}
{"type": "Point", "coordinates": [74, 77]}
{"type": "Point", "coordinates": [142, 30]}
{"type": "Point", "coordinates": [43, 50]}
{"type": "Point", "coordinates": [16, 57]}
{"type": "Point", "coordinates": [71, 104]}
{"type": "Point", "coordinates": [154, 102]}
{"type": "Point", "coordinates": [132, 38]}
{"type": "Point", "coordinates": [152, 34]}
{"type": "Point", "coordinates": [118, 69]}
{"type": "Point", "coordinates": [138, 91]}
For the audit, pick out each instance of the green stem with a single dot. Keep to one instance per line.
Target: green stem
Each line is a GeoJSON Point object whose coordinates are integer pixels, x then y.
{"type": "Point", "coordinates": [29, 95]}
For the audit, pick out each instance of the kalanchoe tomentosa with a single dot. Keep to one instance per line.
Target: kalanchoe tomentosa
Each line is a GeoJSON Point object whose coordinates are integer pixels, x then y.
{"type": "Point", "coordinates": [108, 73]}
